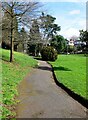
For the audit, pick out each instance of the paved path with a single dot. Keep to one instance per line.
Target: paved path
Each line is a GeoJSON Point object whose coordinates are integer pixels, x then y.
{"type": "Point", "coordinates": [40, 97]}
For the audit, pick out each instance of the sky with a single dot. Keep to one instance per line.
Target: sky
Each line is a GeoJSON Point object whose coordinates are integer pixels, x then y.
{"type": "Point", "coordinates": [71, 16]}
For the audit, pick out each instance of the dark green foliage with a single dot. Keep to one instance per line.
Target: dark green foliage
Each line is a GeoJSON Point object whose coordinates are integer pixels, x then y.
{"type": "Point", "coordinates": [48, 26]}
{"type": "Point", "coordinates": [83, 35]}
{"type": "Point", "coordinates": [84, 38]}
{"type": "Point", "coordinates": [23, 40]}
{"type": "Point", "coordinates": [49, 53]}
{"type": "Point", "coordinates": [31, 49]}
{"type": "Point", "coordinates": [59, 43]}
{"type": "Point", "coordinates": [35, 38]}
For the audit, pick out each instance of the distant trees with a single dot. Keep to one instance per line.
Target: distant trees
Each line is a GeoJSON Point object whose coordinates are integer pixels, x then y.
{"type": "Point", "coordinates": [84, 38]}
{"type": "Point", "coordinates": [21, 11]}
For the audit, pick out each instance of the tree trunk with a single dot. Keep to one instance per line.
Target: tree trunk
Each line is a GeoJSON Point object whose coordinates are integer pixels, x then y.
{"type": "Point", "coordinates": [35, 50]}
{"type": "Point", "coordinates": [11, 50]}
{"type": "Point", "coordinates": [12, 44]}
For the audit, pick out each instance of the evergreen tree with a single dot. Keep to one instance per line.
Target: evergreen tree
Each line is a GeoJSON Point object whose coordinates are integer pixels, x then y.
{"type": "Point", "coordinates": [48, 27]}
{"type": "Point", "coordinates": [84, 38]}
{"type": "Point", "coordinates": [59, 42]}
{"type": "Point", "coordinates": [23, 40]}
{"type": "Point", "coordinates": [35, 37]}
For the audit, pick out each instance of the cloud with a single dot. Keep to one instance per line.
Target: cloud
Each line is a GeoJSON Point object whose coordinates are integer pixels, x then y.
{"type": "Point", "coordinates": [74, 12]}
{"type": "Point", "coordinates": [71, 27]}
{"type": "Point", "coordinates": [68, 33]}
{"type": "Point", "coordinates": [83, 23]}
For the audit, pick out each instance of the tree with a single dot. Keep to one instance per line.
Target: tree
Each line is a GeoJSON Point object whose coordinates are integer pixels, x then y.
{"type": "Point", "coordinates": [23, 12]}
{"type": "Point", "coordinates": [59, 42]}
{"type": "Point", "coordinates": [6, 30]}
{"type": "Point", "coordinates": [84, 38]}
{"type": "Point", "coordinates": [48, 26]}
{"type": "Point", "coordinates": [35, 36]}
{"type": "Point", "coordinates": [23, 40]}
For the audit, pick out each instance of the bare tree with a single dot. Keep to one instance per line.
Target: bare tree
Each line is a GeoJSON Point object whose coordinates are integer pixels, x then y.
{"type": "Point", "coordinates": [23, 11]}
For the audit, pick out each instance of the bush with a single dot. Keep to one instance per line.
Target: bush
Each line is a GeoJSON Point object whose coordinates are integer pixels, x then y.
{"type": "Point", "coordinates": [49, 53]}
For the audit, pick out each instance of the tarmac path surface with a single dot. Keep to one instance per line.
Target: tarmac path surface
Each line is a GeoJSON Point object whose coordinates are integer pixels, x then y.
{"type": "Point", "coordinates": [40, 97]}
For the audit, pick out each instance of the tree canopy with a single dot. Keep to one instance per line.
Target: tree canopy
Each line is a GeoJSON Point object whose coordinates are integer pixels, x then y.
{"type": "Point", "coordinates": [48, 26]}
{"type": "Point", "coordinates": [84, 36]}
{"type": "Point", "coordinates": [59, 42]}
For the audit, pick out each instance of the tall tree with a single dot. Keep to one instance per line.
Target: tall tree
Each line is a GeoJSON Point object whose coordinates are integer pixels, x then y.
{"type": "Point", "coordinates": [48, 26]}
{"type": "Point", "coordinates": [23, 11]}
{"type": "Point", "coordinates": [23, 39]}
{"type": "Point", "coordinates": [6, 29]}
{"type": "Point", "coordinates": [35, 36]}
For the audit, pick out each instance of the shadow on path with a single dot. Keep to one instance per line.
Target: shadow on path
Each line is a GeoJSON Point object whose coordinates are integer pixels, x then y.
{"type": "Point", "coordinates": [38, 58]}
{"type": "Point", "coordinates": [45, 68]}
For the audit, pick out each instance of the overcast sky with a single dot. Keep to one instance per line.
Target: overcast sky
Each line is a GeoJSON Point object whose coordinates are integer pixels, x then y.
{"type": "Point", "coordinates": [71, 16]}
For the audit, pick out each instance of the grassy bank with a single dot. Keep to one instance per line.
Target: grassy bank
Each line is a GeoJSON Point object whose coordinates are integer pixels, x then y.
{"type": "Point", "coordinates": [12, 74]}
{"type": "Point", "coordinates": [70, 70]}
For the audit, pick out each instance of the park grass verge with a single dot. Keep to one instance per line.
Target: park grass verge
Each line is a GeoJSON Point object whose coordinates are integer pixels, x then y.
{"type": "Point", "coordinates": [12, 74]}
{"type": "Point", "coordinates": [70, 70]}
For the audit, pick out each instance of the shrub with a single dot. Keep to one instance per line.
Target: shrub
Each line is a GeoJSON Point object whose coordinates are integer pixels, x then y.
{"type": "Point", "coordinates": [49, 53]}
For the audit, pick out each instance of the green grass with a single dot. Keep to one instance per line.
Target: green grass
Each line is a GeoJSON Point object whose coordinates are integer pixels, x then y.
{"type": "Point", "coordinates": [70, 70]}
{"type": "Point", "coordinates": [12, 74]}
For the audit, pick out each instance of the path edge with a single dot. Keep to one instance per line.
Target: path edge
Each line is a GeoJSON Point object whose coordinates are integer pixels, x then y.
{"type": "Point", "coordinates": [75, 96]}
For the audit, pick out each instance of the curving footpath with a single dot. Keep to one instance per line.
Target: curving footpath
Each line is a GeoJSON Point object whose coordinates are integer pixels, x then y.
{"type": "Point", "coordinates": [40, 97]}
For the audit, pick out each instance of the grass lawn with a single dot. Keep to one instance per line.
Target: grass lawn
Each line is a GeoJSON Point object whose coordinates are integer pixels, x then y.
{"type": "Point", "coordinates": [12, 74]}
{"type": "Point", "coordinates": [70, 70]}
